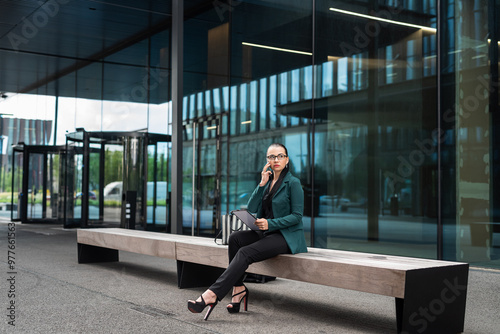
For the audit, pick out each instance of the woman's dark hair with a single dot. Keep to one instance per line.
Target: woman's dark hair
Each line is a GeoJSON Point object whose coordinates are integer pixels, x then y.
{"type": "Point", "coordinates": [280, 145]}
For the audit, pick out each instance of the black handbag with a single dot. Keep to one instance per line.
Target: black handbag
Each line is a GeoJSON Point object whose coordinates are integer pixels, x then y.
{"type": "Point", "coordinates": [229, 224]}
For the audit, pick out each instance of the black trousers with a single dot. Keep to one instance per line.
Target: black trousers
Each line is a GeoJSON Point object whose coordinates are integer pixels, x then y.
{"type": "Point", "coordinates": [245, 248]}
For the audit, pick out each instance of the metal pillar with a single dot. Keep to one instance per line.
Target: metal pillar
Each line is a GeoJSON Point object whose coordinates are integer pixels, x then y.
{"type": "Point", "coordinates": [177, 92]}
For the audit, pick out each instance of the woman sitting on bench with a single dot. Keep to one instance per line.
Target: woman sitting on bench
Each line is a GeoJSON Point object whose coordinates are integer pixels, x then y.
{"type": "Point", "coordinates": [279, 202]}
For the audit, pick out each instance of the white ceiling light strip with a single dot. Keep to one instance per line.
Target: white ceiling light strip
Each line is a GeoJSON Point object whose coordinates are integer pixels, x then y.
{"type": "Point", "coordinates": [277, 49]}
{"type": "Point", "coordinates": [371, 17]}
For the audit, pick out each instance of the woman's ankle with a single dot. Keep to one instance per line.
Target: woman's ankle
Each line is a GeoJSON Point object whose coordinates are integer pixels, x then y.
{"type": "Point", "coordinates": [238, 289]}
{"type": "Point", "coordinates": [209, 296]}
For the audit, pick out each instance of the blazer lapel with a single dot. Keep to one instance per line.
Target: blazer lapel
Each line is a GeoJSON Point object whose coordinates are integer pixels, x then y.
{"type": "Point", "coordinates": [285, 180]}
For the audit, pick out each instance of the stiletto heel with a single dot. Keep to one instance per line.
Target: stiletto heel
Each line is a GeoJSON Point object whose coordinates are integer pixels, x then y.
{"type": "Point", "coordinates": [210, 309]}
{"type": "Point", "coordinates": [198, 307]}
{"type": "Point", "coordinates": [235, 307]}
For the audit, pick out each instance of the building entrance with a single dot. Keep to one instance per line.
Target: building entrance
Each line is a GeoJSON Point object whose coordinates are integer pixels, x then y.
{"type": "Point", "coordinates": [116, 179]}
{"type": "Point", "coordinates": [36, 186]}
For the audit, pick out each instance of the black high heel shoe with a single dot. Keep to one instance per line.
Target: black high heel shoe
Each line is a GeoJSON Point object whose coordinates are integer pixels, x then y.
{"type": "Point", "coordinates": [198, 307]}
{"type": "Point", "coordinates": [235, 307]}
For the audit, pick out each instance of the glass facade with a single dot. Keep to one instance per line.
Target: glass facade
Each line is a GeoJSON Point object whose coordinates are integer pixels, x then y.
{"type": "Point", "coordinates": [389, 110]}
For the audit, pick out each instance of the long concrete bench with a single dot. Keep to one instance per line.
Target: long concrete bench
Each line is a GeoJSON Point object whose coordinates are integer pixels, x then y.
{"type": "Point", "coordinates": [430, 295]}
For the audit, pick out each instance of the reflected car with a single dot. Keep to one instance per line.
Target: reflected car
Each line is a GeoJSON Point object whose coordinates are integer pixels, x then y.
{"type": "Point", "coordinates": [92, 195]}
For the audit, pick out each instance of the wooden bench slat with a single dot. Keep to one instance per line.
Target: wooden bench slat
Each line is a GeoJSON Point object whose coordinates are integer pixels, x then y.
{"type": "Point", "coordinates": [145, 244]}
{"type": "Point", "coordinates": [199, 253]}
{"type": "Point", "coordinates": [386, 282]}
{"type": "Point", "coordinates": [375, 260]}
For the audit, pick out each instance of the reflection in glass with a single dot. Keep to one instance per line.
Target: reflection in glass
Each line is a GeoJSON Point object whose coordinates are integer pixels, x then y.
{"type": "Point", "coordinates": [475, 234]}
{"type": "Point", "coordinates": [372, 187]}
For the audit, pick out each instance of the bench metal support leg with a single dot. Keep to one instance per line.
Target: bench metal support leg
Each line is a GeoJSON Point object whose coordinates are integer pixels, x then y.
{"type": "Point", "coordinates": [434, 301]}
{"type": "Point", "coordinates": [193, 275]}
{"type": "Point", "coordinates": [93, 254]}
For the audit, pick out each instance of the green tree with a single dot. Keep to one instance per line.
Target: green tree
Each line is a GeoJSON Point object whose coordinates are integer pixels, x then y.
{"type": "Point", "coordinates": [113, 170]}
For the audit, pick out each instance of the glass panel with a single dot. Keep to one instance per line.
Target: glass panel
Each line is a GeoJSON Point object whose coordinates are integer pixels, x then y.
{"type": "Point", "coordinates": [245, 122]}
{"type": "Point", "coordinates": [475, 237]}
{"type": "Point", "coordinates": [295, 86]}
{"type": "Point", "coordinates": [157, 186]}
{"type": "Point", "coordinates": [94, 180]}
{"type": "Point", "coordinates": [66, 119]}
{"type": "Point", "coordinates": [374, 181]}
{"type": "Point", "coordinates": [5, 174]}
{"type": "Point", "coordinates": [207, 181]}
{"type": "Point", "coordinates": [35, 186]}
{"type": "Point", "coordinates": [188, 159]}
{"type": "Point", "coordinates": [207, 50]}
{"type": "Point", "coordinates": [159, 118]}
{"type": "Point", "coordinates": [299, 152]}
{"type": "Point", "coordinates": [342, 77]}
{"type": "Point", "coordinates": [130, 111]}
{"type": "Point", "coordinates": [202, 207]}
{"type": "Point", "coordinates": [273, 96]}
{"type": "Point", "coordinates": [263, 105]}
{"type": "Point", "coordinates": [495, 139]}
{"type": "Point", "coordinates": [327, 78]}
{"type": "Point", "coordinates": [88, 111]}
{"type": "Point", "coordinates": [160, 65]}
{"type": "Point", "coordinates": [234, 111]}
{"type": "Point", "coordinates": [113, 183]}
{"type": "Point", "coordinates": [162, 188]}
{"type": "Point", "coordinates": [253, 93]}
{"type": "Point", "coordinates": [273, 73]}
{"type": "Point", "coordinates": [53, 185]}
{"type": "Point", "coordinates": [77, 180]}
{"type": "Point", "coordinates": [200, 106]}
{"type": "Point", "coordinates": [17, 191]}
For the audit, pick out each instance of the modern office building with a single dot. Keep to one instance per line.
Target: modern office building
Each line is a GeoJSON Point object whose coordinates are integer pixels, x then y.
{"type": "Point", "coordinates": [389, 109]}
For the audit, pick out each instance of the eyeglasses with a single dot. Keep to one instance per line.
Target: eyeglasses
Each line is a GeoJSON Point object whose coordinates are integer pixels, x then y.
{"type": "Point", "coordinates": [279, 156]}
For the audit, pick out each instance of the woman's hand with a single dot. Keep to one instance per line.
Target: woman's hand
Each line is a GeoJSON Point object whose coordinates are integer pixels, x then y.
{"type": "Point", "coordinates": [262, 224]}
{"type": "Point", "coordinates": [265, 175]}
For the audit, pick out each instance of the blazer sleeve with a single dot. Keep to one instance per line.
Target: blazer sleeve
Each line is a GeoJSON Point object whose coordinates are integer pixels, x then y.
{"type": "Point", "coordinates": [295, 208]}
{"type": "Point", "coordinates": [255, 202]}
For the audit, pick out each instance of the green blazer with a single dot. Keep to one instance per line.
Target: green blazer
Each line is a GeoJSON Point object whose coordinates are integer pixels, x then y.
{"type": "Point", "coordinates": [288, 208]}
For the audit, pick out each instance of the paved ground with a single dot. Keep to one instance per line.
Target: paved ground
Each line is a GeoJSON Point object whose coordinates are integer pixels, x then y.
{"type": "Point", "coordinates": [139, 294]}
